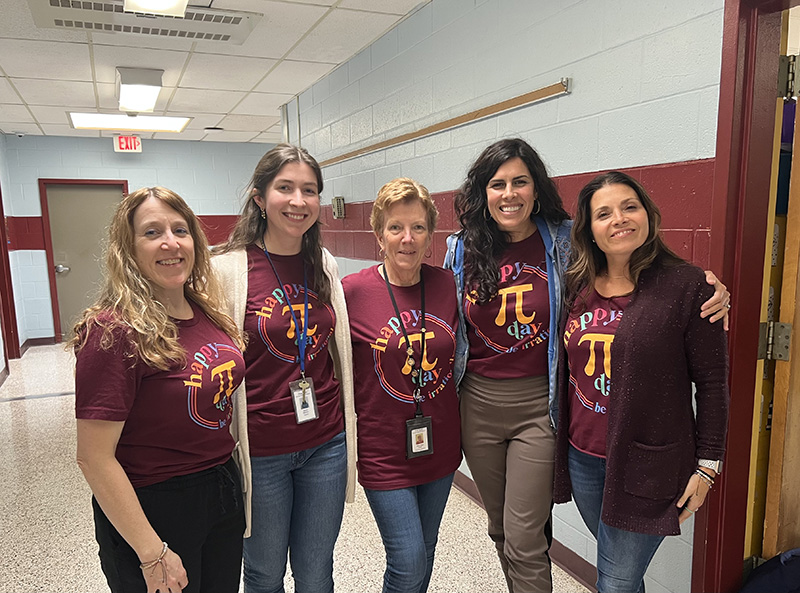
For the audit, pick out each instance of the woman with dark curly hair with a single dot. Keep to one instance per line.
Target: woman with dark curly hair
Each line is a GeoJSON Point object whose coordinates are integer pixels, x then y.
{"type": "Point", "coordinates": [509, 260]}
{"type": "Point", "coordinates": [631, 451]}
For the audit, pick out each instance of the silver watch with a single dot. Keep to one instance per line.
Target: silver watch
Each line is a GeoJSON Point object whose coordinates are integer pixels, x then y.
{"type": "Point", "coordinates": [716, 465]}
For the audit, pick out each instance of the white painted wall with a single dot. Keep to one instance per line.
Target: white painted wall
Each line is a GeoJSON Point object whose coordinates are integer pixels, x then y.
{"type": "Point", "coordinates": [645, 84]}
{"type": "Point", "coordinates": [210, 176]}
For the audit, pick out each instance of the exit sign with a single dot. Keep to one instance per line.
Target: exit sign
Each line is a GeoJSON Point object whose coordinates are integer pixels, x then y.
{"type": "Point", "coordinates": [127, 144]}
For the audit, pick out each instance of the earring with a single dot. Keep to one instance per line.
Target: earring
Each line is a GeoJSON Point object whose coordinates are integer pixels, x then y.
{"type": "Point", "coordinates": [428, 254]}
{"type": "Point", "coordinates": [264, 214]}
{"type": "Point", "coordinates": [537, 207]}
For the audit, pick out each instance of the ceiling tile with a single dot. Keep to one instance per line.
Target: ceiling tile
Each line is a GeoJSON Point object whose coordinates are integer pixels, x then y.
{"type": "Point", "coordinates": [50, 115]}
{"type": "Point", "coordinates": [7, 93]}
{"type": "Point", "coordinates": [56, 92]}
{"type": "Point", "coordinates": [262, 104]}
{"type": "Point", "coordinates": [270, 137]}
{"type": "Point", "coordinates": [281, 27]}
{"type": "Point", "coordinates": [293, 77]}
{"type": "Point", "coordinates": [144, 41]}
{"type": "Point", "coordinates": [13, 128]}
{"type": "Point", "coordinates": [67, 130]}
{"type": "Point", "coordinates": [198, 120]}
{"type": "Point", "coordinates": [17, 23]}
{"type": "Point", "coordinates": [248, 122]}
{"type": "Point", "coordinates": [45, 59]}
{"type": "Point", "coordinates": [107, 58]}
{"type": "Point", "coordinates": [204, 101]}
{"type": "Point", "coordinates": [399, 7]}
{"type": "Point", "coordinates": [185, 135]}
{"type": "Point", "coordinates": [333, 40]}
{"type": "Point", "coordinates": [14, 113]}
{"type": "Point", "coordinates": [230, 136]}
{"type": "Point", "coordinates": [233, 73]}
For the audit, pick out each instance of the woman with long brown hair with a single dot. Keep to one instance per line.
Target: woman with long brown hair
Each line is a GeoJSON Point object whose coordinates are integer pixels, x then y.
{"type": "Point", "coordinates": [298, 441]}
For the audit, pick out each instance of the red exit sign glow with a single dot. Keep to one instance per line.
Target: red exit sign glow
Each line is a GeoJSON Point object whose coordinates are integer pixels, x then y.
{"type": "Point", "coordinates": [127, 144]}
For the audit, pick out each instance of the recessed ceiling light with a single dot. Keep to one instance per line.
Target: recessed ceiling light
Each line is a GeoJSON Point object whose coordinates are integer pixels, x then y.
{"type": "Point", "coordinates": [165, 7]}
{"type": "Point", "coordinates": [119, 121]}
{"type": "Point", "coordinates": [137, 89]}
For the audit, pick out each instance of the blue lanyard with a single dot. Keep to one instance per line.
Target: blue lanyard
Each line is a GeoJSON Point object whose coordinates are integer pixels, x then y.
{"type": "Point", "coordinates": [301, 338]}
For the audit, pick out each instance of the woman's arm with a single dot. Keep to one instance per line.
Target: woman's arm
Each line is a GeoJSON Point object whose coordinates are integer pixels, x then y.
{"type": "Point", "coordinates": [97, 444]}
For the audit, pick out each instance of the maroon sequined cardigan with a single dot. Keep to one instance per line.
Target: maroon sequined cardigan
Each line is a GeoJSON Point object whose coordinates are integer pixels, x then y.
{"type": "Point", "coordinates": [653, 442]}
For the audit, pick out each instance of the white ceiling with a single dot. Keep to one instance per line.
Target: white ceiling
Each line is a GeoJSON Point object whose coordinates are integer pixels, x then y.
{"type": "Point", "coordinates": [47, 72]}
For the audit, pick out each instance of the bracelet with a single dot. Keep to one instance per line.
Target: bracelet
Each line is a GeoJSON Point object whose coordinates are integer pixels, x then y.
{"type": "Point", "coordinates": [708, 475]}
{"type": "Point", "coordinates": [705, 477]}
{"type": "Point", "coordinates": [156, 562]}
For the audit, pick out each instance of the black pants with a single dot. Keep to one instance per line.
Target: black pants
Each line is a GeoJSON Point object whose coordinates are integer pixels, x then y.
{"type": "Point", "coordinates": [200, 516]}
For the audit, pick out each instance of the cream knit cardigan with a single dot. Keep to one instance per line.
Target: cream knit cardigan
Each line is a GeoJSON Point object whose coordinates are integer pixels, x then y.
{"type": "Point", "coordinates": [231, 269]}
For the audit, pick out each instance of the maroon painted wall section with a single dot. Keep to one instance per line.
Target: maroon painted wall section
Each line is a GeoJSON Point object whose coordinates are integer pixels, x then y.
{"type": "Point", "coordinates": [681, 190]}
{"type": "Point", "coordinates": [26, 232]}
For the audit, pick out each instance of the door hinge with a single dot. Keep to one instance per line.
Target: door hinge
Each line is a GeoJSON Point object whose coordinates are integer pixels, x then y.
{"type": "Point", "coordinates": [786, 71]}
{"type": "Point", "coordinates": [773, 340]}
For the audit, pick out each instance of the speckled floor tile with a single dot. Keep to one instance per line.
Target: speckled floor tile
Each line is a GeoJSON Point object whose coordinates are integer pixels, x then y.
{"type": "Point", "coordinates": [47, 537]}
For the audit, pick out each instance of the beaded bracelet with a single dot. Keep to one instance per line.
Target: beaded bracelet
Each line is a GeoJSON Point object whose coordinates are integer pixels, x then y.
{"type": "Point", "coordinates": [705, 477]}
{"type": "Point", "coordinates": [157, 561]}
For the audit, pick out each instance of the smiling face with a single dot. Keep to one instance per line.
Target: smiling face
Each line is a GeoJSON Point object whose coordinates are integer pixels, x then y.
{"type": "Point", "coordinates": [291, 203]}
{"type": "Point", "coordinates": [510, 198]}
{"type": "Point", "coordinates": [404, 239]}
{"type": "Point", "coordinates": [619, 221]}
{"type": "Point", "coordinates": [163, 248]}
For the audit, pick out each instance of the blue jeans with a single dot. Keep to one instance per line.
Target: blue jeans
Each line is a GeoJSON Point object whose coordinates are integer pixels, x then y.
{"type": "Point", "coordinates": [622, 556]}
{"type": "Point", "coordinates": [298, 503]}
{"type": "Point", "coordinates": [408, 519]}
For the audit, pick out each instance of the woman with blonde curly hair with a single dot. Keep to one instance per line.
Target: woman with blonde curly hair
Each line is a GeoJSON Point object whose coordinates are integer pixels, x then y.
{"type": "Point", "coordinates": [157, 365]}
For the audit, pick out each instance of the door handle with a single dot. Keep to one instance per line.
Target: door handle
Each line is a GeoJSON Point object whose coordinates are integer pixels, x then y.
{"type": "Point", "coordinates": [61, 269]}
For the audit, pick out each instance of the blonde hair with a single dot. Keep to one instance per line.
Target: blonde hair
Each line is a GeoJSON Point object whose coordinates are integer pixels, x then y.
{"type": "Point", "coordinates": [127, 300]}
{"type": "Point", "coordinates": [406, 190]}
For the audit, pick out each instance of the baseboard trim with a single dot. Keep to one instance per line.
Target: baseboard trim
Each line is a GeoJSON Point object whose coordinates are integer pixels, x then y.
{"type": "Point", "coordinates": [575, 566]}
{"type": "Point", "coordinates": [35, 342]}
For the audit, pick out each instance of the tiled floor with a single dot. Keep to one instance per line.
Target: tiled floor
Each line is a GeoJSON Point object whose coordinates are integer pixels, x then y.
{"type": "Point", "coordinates": [46, 534]}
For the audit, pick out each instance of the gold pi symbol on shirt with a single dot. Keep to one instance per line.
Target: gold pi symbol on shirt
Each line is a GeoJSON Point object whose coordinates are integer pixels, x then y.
{"type": "Point", "coordinates": [292, 329]}
{"type": "Point", "coordinates": [519, 294]}
{"type": "Point", "coordinates": [606, 340]}
{"type": "Point", "coordinates": [224, 373]}
{"type": "Point", "coordinates": [413, 339]}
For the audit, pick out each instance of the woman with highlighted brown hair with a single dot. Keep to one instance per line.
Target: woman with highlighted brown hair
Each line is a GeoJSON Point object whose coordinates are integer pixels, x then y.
{"type": "Point", "coordinates": [298, 438]}
{"type": "Point", "coordinates": [404, 321]}
{"type": "Point", "coordinates": [157, 365]}
{"type": "Point", "coordinates": [630, 450]}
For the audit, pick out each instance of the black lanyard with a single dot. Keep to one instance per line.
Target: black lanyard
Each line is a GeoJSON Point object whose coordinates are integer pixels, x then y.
{"type": "Point", "coordinates": [301, 336]}
{"type": "Point", "coordinates": [416, 373]}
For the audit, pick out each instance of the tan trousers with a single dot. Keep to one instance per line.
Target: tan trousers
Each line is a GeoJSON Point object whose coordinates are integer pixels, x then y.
{"type": "Point", "coordinates": [509, 447]}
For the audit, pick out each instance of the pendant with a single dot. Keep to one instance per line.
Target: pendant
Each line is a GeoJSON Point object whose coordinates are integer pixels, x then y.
{"type": "Point", "coordinates": [410, 351]}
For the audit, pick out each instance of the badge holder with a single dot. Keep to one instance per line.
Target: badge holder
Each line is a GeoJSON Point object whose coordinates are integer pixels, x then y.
{"type": "Point", "coordinates": [305, 400]}
{"type": "Point", "coordinates": [419, 433]}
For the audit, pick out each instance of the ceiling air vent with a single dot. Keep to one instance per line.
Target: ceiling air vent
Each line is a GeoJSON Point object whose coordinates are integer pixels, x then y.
{"type": "Point", "coordinates": [205, 24]}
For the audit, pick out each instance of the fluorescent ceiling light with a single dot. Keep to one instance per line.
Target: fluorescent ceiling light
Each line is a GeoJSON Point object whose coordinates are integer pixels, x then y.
{"type": "Point", "coordinates": [165, 7]}
{"type": "Point", "coordinates": [122, 122]}
{"type": "Point", "coordinates": [138, 89]}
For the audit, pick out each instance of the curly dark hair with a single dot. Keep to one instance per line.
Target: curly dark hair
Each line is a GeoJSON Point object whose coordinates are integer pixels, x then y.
{"type": "Point", "coordinates": [250, 226]}
{"type": "Point", "coordinates": [484, 242]}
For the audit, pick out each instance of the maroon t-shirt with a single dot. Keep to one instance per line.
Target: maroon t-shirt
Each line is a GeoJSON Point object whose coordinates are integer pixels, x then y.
{"type": "Point", "coordinates": [176, 421]}
{"type": "Point", "coordinates": [587, 338]}
{"type": "Point", "coordinates": [273, 358]}
{"type": "Point", "coordinates": [384, 392]}
{"type": "Point", "coordinates": [508, 335]}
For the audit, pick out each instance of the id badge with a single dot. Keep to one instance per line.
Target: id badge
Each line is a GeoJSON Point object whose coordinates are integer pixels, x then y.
{"type": "Point", "coordinates": [305, 400]}
{"type": "Point", "coordinates": [419, 437]}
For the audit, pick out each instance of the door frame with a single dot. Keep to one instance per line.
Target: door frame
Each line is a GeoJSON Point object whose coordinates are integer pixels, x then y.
{"type": "Point", "coordinates": [8, 312]}
{"type": "Point", "coordinates": [48, 240]}
{"type": "Point", "coordinates": [746, 116]}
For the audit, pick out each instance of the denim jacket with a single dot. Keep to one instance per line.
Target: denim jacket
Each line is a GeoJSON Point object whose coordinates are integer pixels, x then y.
{"type": "Point", "coordinates": [556, 241]}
